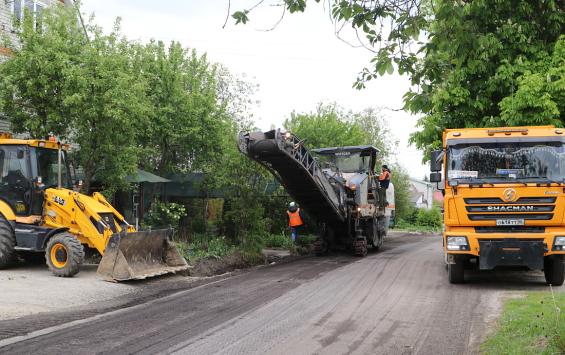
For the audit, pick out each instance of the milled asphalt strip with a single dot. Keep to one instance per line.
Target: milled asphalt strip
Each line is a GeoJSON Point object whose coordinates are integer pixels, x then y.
{"type": "Point", "coordinates": [46, 331]}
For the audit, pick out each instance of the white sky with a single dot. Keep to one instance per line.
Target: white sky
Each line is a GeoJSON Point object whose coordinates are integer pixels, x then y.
{"type": "Point", "coordinates": [297, 65]}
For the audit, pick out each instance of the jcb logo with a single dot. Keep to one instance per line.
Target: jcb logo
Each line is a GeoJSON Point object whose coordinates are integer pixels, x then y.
{"type": "Point", "coordinates": [20, 207]}
{"type": "Point", "coordinates": [59, 200]}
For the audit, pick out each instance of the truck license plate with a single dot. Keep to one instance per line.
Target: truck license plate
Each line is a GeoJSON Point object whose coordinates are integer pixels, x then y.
{"type": "Point", "coordinates": [510, 222]}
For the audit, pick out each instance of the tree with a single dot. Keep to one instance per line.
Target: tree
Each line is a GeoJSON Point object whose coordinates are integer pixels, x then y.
{"type": "Point", "coordinates": [373, 124]}
{"type": "Point", "coordinates": [339, 128]}
{"type": "Point", "coordinates": [343, 128]}
{"type": "Point", "coordinates": [472, 63]}
{"type": "Point", "coordinates": [401, 181]}
{"type": "Point", "coordinates": [186, 118]}
{"type": "Point", "coordinates": [486, 64]}
{"type": "Point", "coordinates": [33, 82]}
{"type": "Point", "coordinates": [78, 84]}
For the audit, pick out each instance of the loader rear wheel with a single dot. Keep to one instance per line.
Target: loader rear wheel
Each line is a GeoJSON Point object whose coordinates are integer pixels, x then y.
{"type": "Point", "coordinates": [7, 243]}
{"type": "Point", "coordinates": [554, 270]}
{"type": "Point", "coordinates": [64, 255]}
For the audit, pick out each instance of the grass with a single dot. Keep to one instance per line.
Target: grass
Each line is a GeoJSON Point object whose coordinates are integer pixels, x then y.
{"type": "Point", "coordinates": [278, 241]}
{"type": "Point", "coordinates": [204, 247]}
{"type": "Point", "coordinates": [402, 225]}
{"type": "Point", "coordinates": [531, 325]}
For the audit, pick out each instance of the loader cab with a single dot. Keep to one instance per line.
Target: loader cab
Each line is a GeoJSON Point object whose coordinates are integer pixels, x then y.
{"type": "Point", "coordinates": [27, 168]}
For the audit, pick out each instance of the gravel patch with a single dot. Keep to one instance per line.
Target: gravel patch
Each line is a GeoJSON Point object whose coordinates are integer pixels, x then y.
{"type": "Point", "coordinates": [27, 290]}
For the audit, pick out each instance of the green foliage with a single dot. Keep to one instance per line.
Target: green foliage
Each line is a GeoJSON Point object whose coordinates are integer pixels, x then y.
{"type": "Point", "coordinates": [83, 89]}
{"type": "Point", "coordinates": [339, 128]}
{"type": "Point", "coordinates": [186, 118]}
{"type": "Point", "coordinates": [32, 83]}
{"type": "Point", "coordinates": [342, 128]}
{"type": "Point", "coordinates": [201, 246]}
{"type": "Point", "coordinates": [401, 181]}
{"type": "Point", "coordinates": [471, 63]}
{"type": "Point", "coordinates": [278, 241]}
{"type": "Point", "coordinates": [531, 325]}
{"type": "Point", "coordinates": [164, 214]}
{"type": "Point", "coordinates": [305, 241]}
{"type": "Point", "coordinates": [482, 70]}
{"type": "Point", "coordinates": [430, 218]}
{"type": "Point", "coordinates": [421, 219]}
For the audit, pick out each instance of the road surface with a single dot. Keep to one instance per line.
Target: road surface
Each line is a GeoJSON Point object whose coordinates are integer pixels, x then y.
{"type": "Point", "coordinates": [396, 301]}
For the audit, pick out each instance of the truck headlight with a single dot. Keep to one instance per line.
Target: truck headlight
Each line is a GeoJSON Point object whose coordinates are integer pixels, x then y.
{"type": "Point", "coordinates": [457, 243]}
{"type": "Point", "coordinates": [559, 243]}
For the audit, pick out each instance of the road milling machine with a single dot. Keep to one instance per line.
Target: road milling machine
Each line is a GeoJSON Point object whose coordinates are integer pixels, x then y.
{"type": "Point", "coordinates": [41, 215]}
{"type": "Point", "coordinates": [336, 186]}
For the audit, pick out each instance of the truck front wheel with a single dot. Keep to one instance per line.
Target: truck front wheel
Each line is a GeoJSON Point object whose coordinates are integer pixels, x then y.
{"type": "Point", "coordinates": [456, 272]}
{"type": "Point", "coordinates": [554, 270]}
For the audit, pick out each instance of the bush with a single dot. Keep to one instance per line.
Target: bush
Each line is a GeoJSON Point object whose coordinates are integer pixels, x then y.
{"type": "Point", "coordinates": [278, 241]}
{"type": "Point", "coordinates": [202, 246]}
{"type": "Point", "coordinates": [421, 219]}
{"type": "Point", "coordinates": [164, 214]}
{"type": "Point", "coordinates": [430, 218]}
{"type": "Point", "coordinates": [306, 240]}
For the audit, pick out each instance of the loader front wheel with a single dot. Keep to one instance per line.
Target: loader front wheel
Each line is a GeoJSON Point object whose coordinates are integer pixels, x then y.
{"type": "Point", "coordinates": [7, 243]}
{"type": "Point", "coordinates": [64, 255]}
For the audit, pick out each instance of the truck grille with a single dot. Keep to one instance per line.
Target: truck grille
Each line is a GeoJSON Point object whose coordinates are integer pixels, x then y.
{"type": "Point", "coordinates": [492, 217]}
{"type": "Point", "coordinates": [521, 200]}
{"type": "Point", "coordinates": [510, 229]}
{"type": "Point", "coordinates": [493, 208]}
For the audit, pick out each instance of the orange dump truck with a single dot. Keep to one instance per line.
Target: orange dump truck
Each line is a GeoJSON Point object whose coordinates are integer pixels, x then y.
{"type": "Point", "coordinates": [504, 199]}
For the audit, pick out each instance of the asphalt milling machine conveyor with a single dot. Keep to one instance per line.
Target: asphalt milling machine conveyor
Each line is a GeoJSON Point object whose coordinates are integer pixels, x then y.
{"type": "Point", "coordinates": [335, 186]}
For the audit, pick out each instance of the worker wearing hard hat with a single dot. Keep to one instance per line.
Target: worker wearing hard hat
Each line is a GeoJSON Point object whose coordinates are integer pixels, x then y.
{"type": "Point", "coordinates": [295, 220]}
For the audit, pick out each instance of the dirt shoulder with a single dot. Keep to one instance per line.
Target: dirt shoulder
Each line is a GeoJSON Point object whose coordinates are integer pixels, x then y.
{"type": "Point", "coordinates": [32, 289]}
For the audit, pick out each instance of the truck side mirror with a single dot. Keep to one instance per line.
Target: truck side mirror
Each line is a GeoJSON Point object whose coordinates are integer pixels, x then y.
{"type": "Point", "coordinates": [436, 160]}
{"type": "Point", "coordinates": [435, 177]}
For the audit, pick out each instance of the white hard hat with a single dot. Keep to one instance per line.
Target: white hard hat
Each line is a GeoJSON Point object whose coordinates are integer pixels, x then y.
{"type": "Point", "coordinates": [292, 204]}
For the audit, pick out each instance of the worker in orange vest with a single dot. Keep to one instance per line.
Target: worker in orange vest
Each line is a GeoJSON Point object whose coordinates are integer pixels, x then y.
{"type": "Point", "coordinates": [384, 182]}
{"type": "Point", "coordinates": [295, 220]}
{"type": "Point", "coordinates": [384, 178]}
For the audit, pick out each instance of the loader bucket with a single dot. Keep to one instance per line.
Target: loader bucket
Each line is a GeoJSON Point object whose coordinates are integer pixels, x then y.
{"type": "Point", "coordinates": [139, 255]}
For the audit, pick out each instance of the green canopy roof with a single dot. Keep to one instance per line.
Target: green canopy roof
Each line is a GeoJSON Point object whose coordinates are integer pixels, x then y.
{"type": "Point", "coordinates": [145, 176]}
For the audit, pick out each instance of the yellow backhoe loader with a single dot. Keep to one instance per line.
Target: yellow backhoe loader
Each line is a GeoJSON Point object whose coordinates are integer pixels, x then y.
{"type": "Point", "coordinates": [41, 214]}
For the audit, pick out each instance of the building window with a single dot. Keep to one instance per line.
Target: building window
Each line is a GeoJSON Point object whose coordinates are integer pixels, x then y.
{"type": "Point", "coordinates": [33, 7]}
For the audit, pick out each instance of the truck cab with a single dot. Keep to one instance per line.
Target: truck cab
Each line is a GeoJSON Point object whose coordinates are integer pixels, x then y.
{"type": "Point", "coordinates": [504, 200]}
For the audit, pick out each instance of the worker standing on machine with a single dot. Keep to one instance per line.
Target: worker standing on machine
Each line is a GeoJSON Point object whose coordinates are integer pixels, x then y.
{"type": "Point", "coordinates": [295, 220]}
{"type": "Point", "coordinates": [384, 182]}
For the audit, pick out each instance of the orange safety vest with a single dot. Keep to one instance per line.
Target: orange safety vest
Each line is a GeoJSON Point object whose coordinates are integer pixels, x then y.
{"type": "Point", "coordinates": [294, 219]}
{"type": "Point", "coordinates": [385, 175]}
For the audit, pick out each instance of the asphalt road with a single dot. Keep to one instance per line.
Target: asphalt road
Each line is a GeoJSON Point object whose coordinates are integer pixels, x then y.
{"type": "Point", "coordinates": [396, 301]}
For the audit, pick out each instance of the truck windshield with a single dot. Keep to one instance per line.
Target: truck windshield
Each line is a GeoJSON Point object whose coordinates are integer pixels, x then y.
{"type": "Point", "coordinates": [501, 162]}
